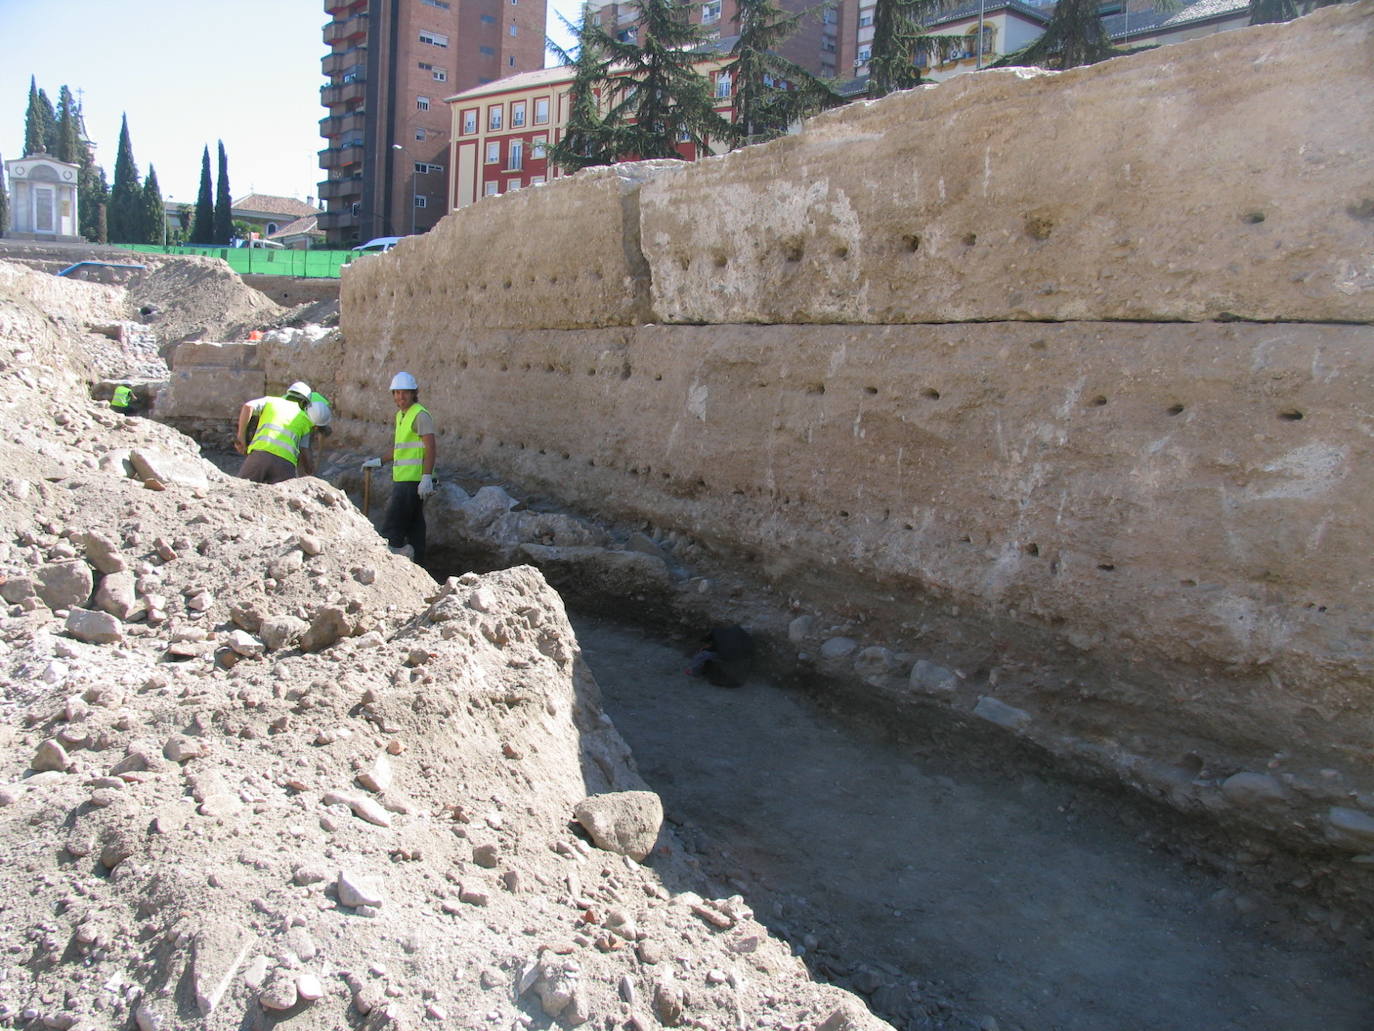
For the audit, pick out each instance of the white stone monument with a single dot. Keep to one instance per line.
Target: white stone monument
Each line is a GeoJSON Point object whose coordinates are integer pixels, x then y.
{"type": "Point", "coordinates": [42, 199]}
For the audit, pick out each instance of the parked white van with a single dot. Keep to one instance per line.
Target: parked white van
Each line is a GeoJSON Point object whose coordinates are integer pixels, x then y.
{"type": "Point", "coordinates": [379, 245]}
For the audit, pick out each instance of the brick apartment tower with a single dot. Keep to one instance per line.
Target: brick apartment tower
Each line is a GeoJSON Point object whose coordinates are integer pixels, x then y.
{"type": "Point", "coordinates": [817, 45]}
{"type": "Point", "coordinates": [389, 66]}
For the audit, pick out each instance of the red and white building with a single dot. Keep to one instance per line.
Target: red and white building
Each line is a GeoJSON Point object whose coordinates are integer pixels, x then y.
{"type": "Point", "coordinates": [501, 131]}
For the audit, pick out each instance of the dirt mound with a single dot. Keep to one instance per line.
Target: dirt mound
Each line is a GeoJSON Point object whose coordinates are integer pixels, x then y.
{"type": "Point", "coordinates": [198, 298]}
{"type": "Point", "coordinates": [254, 767]}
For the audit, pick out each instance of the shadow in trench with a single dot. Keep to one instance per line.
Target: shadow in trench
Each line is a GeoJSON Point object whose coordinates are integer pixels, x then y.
{"type": "Point", "coordinates": [952, 879]}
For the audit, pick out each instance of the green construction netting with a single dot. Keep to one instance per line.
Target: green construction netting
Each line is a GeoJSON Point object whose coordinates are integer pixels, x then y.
{"type": "Point", "coordinates": [263, 261]}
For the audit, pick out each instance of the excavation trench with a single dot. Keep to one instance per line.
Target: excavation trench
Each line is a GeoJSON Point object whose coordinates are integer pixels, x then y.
{"type": "Point", "coordinates": [952, 877]}
{"type": "Point", "coordinates": [956, 881]}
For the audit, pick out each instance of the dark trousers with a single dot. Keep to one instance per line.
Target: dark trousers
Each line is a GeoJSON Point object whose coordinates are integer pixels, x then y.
{"type": "Point", "coordinates": [405, 519]}
{"type": "Point", "coordinates": [265, 467]}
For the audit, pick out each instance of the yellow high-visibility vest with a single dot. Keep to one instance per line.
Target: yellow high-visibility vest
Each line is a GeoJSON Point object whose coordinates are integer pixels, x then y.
{"type": "Point", "coordinates": [281, 425]}
{"type": "Point", "coordinates": [408, 456]}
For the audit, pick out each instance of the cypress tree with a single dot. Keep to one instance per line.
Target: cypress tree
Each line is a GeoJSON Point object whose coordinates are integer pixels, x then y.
{"type": "Point", "coordinates": [126, 196]}
{"type": "Point", "coordinates": [33, 122]}
{"type": "Point", "coordinates": [49, 117]}
{"type": "Point", "coordinates": [224, 206]}
{"type": "Point", "coordinates": [68, 138]}
{"type": "Point", "coordinates": [4, 200]}
{"type": "Point", "coordinates": [203, 222]}
{"type": "Point", "coordinates": [154, 211]}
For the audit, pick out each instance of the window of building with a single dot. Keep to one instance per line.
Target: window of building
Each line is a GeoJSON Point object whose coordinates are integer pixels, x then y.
{"type": "Point", "coordinates": [515, 30]}
{"type": "Point", "coordinates": [488, 19]}
{"type": "Point", "coordinates": [422, 103]}
{"type": "Point", "coordinates": [628, 35]}
{"type": "Point", "coordinates": [494, 114]}
{"type": "Point", "coordinates": [493, 151]}
{"type": "Point", "coordinates": [421, 201]}
{"type": "Point", "coordinates": [354, 208]}
{"type": "Point", "coordinates": [541, 111]}
{"type": "Point", "coordinates": [491, 189]}
{"type": "Point", "coordinates": [487, 51]}
{"type": "Point", "coordinates": [470, 120]}
{"type": "Point", "coordinates": [434, 39]}
{"type": "Point", "coordinates": [539, 148]}
{"type": "Point", "coordinates": [535, 180]}
{"type": "Point", "coordinates": [517, 114]}
{"type": "Point", "coordinates": [426, 67]}
{"type": "Point", "coordinates": [441, 4]}
{"type": "Point", "coordinates": [865, 20]}
{"type": "Point", "coordinates": [510, 61]}
{"type": "Point", "coordinates": [828, 44]}
{"type": "Point", "coordinates": [440, 75]}
{"type": "Point", "coordinates": [989, 41]}
{"type": "Point", "coordinates": [516, 161]}
{"type": "Point", "coordinates": [723, 85]}
{"type": "Point", "coordinates": [864, 54]}
{"type": "Point", "coordinates": [710, 12]}
{"type": "Point", "coordinates": [512, 185]}
{"type": "Point", "coordinates": [830, 17]}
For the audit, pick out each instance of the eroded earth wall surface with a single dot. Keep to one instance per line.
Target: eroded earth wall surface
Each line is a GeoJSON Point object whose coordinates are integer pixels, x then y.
{"type": "Point", "coordinates": [1064, 380]}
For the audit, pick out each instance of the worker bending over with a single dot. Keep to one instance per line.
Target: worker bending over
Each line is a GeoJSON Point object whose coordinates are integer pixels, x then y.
{"type": "Point", "coordinates": [273, 445]}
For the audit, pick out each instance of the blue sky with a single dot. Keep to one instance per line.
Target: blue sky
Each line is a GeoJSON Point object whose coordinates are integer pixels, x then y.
{"type": "Point", "coordinates": [256, 86]}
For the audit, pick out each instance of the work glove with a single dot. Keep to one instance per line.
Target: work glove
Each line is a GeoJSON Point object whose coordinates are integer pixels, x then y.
{"type": "Point", "coordinates": [373, 463]}
{"type": "Point", "coordinates": [426, 486]}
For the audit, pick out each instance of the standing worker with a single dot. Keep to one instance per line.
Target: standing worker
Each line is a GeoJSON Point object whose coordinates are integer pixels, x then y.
{"type": "Point", "coordinates": [412, 468]}
{"type": "Point", "coordinates": [122, 399]}
{"type": "Point", "coordinates": [274, 446]}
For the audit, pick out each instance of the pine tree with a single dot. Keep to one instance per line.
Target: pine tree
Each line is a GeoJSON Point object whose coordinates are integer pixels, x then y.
{"type": "Point", "coordinates": [4, 200]}
{"type": "Point", "coordinates": [589, 139]}
{"type": "Point", "coordinates": [1264, 12]}
{"type": "Point", "coordinates": [1073, 37]}
{"type": "Point", "coordinates": [661, 100]}
{"type": "Point", "coordinates": [224, 206]}
{"type": "Point", "coordinates": [126, 196]}
{"type": "Point", "coordinates": [154, 211]}
{"type": "Point", "coordinates": [770, 91]}
{"type": "Point", "coordinates": [33, 122]}
{"type": "Point", "coordinates": [68, 138]}
{"type": "Point", "coordinates": [899, 39]}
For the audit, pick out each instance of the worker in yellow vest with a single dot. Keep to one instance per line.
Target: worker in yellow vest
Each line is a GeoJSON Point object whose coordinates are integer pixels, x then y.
{"type": "Point", "coordinates": [274, 444]}
{"type": "Point", "coordinates": [412, 468]}
{"type": "Point", "coordinates": [122, 399]}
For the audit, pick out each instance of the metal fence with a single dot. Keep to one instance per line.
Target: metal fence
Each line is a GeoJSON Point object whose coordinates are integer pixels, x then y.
{"type": "Point", "coordinates": [265, 261]}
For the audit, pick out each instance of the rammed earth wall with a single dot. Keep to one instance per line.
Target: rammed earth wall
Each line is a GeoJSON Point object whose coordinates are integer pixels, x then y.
{"type": "Point", "coordinates": [1066, 380]}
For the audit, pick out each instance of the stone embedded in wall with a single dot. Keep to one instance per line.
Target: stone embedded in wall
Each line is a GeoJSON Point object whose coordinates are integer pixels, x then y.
{"type": "Point", "coordinates": [1186, 494]}
{"type": "Point", "coordinates": [564, 255]}
{"type": "Point", "coordinates": [1224, 176]}
{"type": "Point", "coordinates": [211, 380]}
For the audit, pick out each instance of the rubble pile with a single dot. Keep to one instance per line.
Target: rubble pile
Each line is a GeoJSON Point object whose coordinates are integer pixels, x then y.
{"type": "Point", "coordinates": [253, 767]}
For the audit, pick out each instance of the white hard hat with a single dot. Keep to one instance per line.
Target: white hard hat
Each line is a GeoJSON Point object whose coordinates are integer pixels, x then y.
{"type": "Point", "coordinates": [299, 390]}
{"type": "Point", "coordinates": [319, 413]}
{"type": "Point", "coordinates": [404, 381]}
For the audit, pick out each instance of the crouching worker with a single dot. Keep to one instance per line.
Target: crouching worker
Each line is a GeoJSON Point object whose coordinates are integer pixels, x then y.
{"type": "Point", "coordinates": [122, 400]}
{"type": "Point", "coordinates": [724, 656]}
{"type": "Point", "coordinates": [412, 468]}
{"type": "Point", "coordinates": [273, 445]}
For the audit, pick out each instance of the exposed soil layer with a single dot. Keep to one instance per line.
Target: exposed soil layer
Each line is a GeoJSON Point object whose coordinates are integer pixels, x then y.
{"type": "Point", "coordinates": [939, 877]}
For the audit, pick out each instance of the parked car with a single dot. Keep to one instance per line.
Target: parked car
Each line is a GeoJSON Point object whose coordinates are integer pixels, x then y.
{"type": "Point", "coordinates": [379, 245]}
